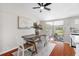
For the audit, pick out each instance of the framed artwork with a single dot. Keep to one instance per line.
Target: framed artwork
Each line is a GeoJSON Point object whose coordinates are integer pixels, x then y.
{"type": "Point", "coordinates": [24, 22]}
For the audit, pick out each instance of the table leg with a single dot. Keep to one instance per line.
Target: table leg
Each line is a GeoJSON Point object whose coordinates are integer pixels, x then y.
{"type": "Point", "coordinates": [35, 47]}
{"type": "Point", "coordinates": [45, 41]}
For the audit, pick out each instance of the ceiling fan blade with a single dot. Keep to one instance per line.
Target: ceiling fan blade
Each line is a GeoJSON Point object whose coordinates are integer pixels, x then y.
{"type": "Point", "coordinates": [39, 4]}
{"type": "Point", "coordinates": [48, 9]}
{"type": "Point", "coordinates": [47, 4]}
{"type": "Point", "coordinates": [35, 7]}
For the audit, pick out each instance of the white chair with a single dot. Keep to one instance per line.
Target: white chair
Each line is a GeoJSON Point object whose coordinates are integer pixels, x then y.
{"type": "Point", "coordinates": [22, 47]}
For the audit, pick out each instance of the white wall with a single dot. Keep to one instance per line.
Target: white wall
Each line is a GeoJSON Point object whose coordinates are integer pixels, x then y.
{"type": "Point", "coordinates": [0, 33]}
{"type": "Point", "coordinates": [67, 30]}
{"type": "Point", "coordinates": [9, 33]}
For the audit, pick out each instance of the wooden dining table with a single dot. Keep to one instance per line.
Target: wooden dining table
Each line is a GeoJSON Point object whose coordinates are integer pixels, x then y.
{"type": "Point", "coordinates": [34, 38]}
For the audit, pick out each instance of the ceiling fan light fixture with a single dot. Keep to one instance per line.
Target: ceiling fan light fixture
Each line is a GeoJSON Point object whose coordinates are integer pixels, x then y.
{"type": "Point", "coordinates": [42, 8]}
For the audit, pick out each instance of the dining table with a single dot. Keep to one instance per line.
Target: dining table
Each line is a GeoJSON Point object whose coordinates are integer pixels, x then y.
{"type": "Point", "coordinates": [33, 38]}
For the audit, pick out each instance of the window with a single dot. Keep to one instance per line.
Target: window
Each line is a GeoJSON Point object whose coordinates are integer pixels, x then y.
{"type": "Point", "coordinates": [58, 22]}
{"type": "Point", "coordinates": [49, 23]}
{"type": "Point", "coordinates": [61, 22]}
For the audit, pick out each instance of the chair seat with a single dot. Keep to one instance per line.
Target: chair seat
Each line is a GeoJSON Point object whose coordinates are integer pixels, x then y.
{"type": "Point", "coordinates": [27, 45]}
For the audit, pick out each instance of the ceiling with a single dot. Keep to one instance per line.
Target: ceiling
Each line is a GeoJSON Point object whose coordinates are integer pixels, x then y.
{"type": "Point", "coordinates": [58, 10]}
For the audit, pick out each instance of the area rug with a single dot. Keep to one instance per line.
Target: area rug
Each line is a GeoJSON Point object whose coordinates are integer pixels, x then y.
{"type": "Point", "coordinates": [45, 51]}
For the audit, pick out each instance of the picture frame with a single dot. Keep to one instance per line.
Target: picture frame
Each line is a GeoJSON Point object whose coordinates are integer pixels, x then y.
{"type": "Point", "coordinates": [24, 22]}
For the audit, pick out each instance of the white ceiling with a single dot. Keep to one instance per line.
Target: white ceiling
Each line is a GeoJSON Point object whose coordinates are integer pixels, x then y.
{"type": "Point", "coordinates": [58, 10]}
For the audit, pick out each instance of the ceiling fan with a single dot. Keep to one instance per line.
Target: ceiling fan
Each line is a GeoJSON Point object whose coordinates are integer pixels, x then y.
{"type": "Point", "coordinates": [42, 6]}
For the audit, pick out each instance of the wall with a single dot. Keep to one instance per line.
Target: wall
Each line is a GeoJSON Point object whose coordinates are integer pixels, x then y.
{"type": "Point", "coordinates": [67, 30]}
{"type": "Point", "coordinates": [9, 33]}
{"type": "Point", "coordinates": [0, 33]}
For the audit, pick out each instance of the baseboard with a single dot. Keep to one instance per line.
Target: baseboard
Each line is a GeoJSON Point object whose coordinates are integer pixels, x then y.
{"type": "Point", "coordinates": [9, 52]}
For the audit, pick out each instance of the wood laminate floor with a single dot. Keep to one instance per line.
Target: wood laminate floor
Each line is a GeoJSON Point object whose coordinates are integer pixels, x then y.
{"type": "Point", "coordinates": [63, 49]}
